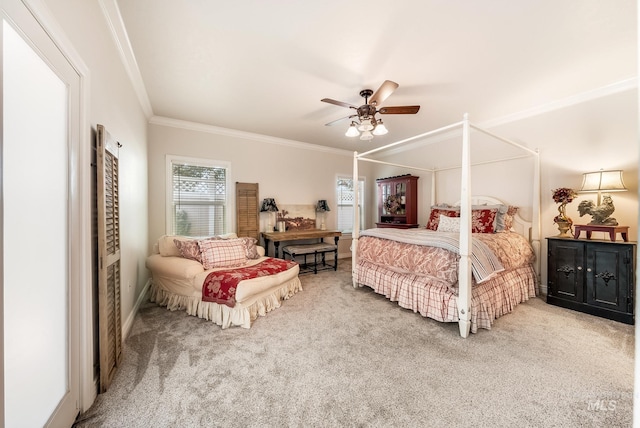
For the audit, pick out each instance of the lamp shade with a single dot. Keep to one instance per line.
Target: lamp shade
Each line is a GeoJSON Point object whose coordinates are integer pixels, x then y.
{"type": "Point", "coordinates": [365, 124]}
{"type": "Point", "coordinates": [608, 181]}
{"type": "Point", "coordinates": [269, 205]}
{"type": "Point", "coordinates": [366, 135]}
{"type": "Point", "coordinates": [322, 206]}
{"type": "Point", "coordinates": [380, 128]}
{"type": "Point", "coordinates": [352, 131]}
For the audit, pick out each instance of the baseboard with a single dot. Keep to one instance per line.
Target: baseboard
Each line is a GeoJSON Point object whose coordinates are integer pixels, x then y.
{"type": "Point", "coordinates": [126, 327]}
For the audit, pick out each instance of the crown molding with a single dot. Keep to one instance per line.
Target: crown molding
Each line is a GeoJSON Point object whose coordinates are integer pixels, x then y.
{"type": "Point", "coordinates": [217, 130]}
{"type": "Point", "coordinates": [121, 38]}
{"type": "Point", "coordinates": [593, 94]}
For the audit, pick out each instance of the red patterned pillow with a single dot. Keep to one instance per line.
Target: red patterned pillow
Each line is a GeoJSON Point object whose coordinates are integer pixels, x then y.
{"type": "Point", "coordinates": [505, 222]}
{"type": "Point", "coordinates": [434, 217]}
{"type": "Point", "coordinates": [220, 253]}
{"type": "Point", "coordinates": [189, 249]}
{"type": "Point", "coordinates": [251, 246]}
{"type": "Point", "coordinates": [483, 221]}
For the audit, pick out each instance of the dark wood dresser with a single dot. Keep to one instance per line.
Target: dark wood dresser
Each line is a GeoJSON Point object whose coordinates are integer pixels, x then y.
{"type": "Point", "coordinates": [592, 276]}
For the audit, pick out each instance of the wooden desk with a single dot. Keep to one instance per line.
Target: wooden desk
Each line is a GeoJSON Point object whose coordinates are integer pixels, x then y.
{"type": "Point", "coordinates": [297, 235]}
{"type": "Point", "coordinates": [611, 230]}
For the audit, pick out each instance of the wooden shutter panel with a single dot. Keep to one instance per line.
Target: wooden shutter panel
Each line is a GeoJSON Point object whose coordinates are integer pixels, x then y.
{"type": "Point", "coordinates": [247, 210]}
{"type": "Point", "coordinates": [108, 257]}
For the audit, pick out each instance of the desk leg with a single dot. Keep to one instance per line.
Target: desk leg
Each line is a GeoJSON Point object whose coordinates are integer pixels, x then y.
{"type": "Point", "coordinates": [266, 247]}
{"type": "Point", "coordinates": [612, 235]}
{"type": "Point", "coordinates": [624, 237]}
{"type": "Point", "coordinates": [276, 248]}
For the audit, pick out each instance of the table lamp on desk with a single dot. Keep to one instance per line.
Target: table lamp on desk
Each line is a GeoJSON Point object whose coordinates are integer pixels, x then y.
{"type": "Point", "coordinates": [322, 207]}
{"type": "Point", "coordinates": [269, 205]}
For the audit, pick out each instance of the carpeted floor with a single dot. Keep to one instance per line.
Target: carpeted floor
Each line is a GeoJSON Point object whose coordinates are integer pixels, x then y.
{"type": "Point", "coordinates": [335, 356]}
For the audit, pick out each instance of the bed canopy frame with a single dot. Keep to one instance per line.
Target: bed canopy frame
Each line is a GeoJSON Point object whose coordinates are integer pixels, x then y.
{"type": "Point", "coordinates": [464, 274]}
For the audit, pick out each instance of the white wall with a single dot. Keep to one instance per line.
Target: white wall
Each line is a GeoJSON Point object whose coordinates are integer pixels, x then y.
{"type": "Point", "coordinates": [290, 172]}
{"type": "Point", "coordinates": [112, 102]}
{"type": "Point", "coordinates": [580, 137]}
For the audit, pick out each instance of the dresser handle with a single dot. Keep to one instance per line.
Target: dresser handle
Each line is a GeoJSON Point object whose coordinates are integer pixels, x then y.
{"type": "Point", "coordinates": [579, 267]}
{"type": "Point", "coordinates": [588, 269]}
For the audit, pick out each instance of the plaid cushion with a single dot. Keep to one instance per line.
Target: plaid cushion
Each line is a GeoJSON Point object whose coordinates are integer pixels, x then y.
{"type": "Point", "coordinates": [223, 253]}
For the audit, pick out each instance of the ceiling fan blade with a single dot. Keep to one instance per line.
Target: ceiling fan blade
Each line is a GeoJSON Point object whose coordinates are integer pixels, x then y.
{"type": "Point", "coordinates": [338, 103]}
{"type": "Point", "coordinates": [399, 110]}
{"type": "Point", "coordinates": [333, 122]}
{"type": "Point", "coordinates": [383, 92]}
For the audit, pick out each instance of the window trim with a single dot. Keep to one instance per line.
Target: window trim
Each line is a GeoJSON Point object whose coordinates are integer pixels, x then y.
{"type": "Point", "coordinates": [363, 208]}
{"type": "Point", "coordinates": [229, 199]}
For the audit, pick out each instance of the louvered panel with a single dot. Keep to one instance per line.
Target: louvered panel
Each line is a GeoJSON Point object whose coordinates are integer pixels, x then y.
{"type": "Point", "coordinates": [111, 203]}
{"type": "Point", "coordinates": [247, 212]}
{"type": "Point", "coordinates": [110, 324]}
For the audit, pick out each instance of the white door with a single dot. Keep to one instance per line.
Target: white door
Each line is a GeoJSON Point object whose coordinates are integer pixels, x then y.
{"type": "Point", "coordinates": [39, 156]}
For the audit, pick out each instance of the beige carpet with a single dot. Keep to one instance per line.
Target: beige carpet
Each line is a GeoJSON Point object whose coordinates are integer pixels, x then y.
{"type": "Point", "coordinates": [336, 356]}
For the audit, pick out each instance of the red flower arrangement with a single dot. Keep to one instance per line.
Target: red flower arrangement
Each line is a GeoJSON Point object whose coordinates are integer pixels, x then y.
{"type": "Point", "coordinates": [563, 196]}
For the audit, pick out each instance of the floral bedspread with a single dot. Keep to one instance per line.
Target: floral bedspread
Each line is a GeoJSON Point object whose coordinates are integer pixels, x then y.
{"type": "Point", "coordinates": [220, 286]}
{"type": "Point", "coordinates": [511, 249]}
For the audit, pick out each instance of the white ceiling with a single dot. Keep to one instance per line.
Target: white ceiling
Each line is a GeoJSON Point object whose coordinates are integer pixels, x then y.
{"type": "Point", "coordinates": [263, 66]}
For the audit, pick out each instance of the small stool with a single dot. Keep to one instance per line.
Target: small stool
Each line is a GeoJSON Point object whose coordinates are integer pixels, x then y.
{"type": "Point", "coordinates": [305, 250]}
{"type": "Point", "coordinates": [611, 230]}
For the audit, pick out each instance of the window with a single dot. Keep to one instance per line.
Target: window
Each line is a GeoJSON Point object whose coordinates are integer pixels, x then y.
{"type": "Point", "coordinates": [344, 202]}
{"type": "Point", "coordinates": [197, 196]}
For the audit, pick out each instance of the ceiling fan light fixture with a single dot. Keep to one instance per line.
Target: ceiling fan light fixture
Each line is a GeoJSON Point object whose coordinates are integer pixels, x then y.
{"type": "Point", "coordinates": [366, 135]}
{"type": "Point", "coordinates": [365, 124]}
{"type": "Point", "coordinates": [352, 131]}
{"type": "Point", "coordinates": [380, 128]}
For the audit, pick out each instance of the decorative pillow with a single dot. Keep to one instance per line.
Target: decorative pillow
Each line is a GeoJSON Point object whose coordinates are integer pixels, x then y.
{"type": "Point", "coordinates": [448, 224]}
{"type": "Point", "coordinates": [167, 246]}
{"type": "Point", "coordinates": [251, 247]}
{"type": "Point", "coordinates": [218, 253]}
{"type": "Point", "coordinates": [504, 222]}
{"type": "Point", "coordinates": [189, 249]}
{"type": "Point", "coordinates": [436, 211]}
{"type": "Point", "coordinates": [483, 221]}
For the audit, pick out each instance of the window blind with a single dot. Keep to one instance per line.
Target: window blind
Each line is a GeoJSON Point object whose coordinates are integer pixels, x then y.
{"type": "Point", "coordinates": [199, 199]}
{"type": "Point", "coordinates": [344, 203]}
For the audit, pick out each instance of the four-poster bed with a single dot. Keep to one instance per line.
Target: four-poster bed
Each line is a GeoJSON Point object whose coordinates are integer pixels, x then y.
{"type": "Point", "coordinates": [453, 290]}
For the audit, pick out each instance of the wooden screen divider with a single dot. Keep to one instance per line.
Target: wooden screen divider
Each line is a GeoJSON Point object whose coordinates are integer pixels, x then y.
{"type": "Point", "coordinates": [109, 319]}
{"type": "Point", "coordinates": [247, 210]}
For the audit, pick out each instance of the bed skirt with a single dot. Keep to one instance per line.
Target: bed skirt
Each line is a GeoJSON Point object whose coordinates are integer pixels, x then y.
{"type": "Point", "coordinates": [434, 298]}
{"type": "Point", "coordinates": [242, 314]}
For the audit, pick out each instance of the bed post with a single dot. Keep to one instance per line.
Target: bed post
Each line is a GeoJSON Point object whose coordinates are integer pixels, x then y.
{"type": "Point", "coordinates": [535, 232]}
{"type": "Point", "coordinates": [433, 187]}
{"type": "Point", "coordinates": [464, 274]}
{"type": "Point", "coordinates": [356, 220]}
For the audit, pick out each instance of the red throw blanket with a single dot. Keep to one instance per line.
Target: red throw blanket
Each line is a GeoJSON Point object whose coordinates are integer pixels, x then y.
{"type": "Point", "coordinates": [220, 286]}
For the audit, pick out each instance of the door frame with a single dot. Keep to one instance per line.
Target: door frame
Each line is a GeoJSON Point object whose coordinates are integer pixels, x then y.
{"type": "Point", "coordinates": [80, 201]}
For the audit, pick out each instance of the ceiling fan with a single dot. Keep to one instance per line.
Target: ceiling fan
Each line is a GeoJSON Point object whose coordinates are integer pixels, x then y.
{"type": "Point", "coordinates": [366, 121]}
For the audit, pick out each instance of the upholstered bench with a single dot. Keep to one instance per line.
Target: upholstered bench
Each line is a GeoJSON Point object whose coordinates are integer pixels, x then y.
{"type": "Point", "coordinates": [317, 249]}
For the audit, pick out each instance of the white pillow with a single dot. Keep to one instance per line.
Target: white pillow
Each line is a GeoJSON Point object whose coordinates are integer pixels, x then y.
{"type": "Point", "coordinates": [223, 253]}
{"type": "Point", "coordinates": [448, 224]}
{"type": "Point", "coordinates": [166, 246]}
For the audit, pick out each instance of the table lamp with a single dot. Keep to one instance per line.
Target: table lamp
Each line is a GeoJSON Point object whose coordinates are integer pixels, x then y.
{"type": "Point", "coordinates": [322, 207]}
{"type": "Point", "coordinates": [269, 205]}
{"type": "Point", "coordinates": [601, 182]}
